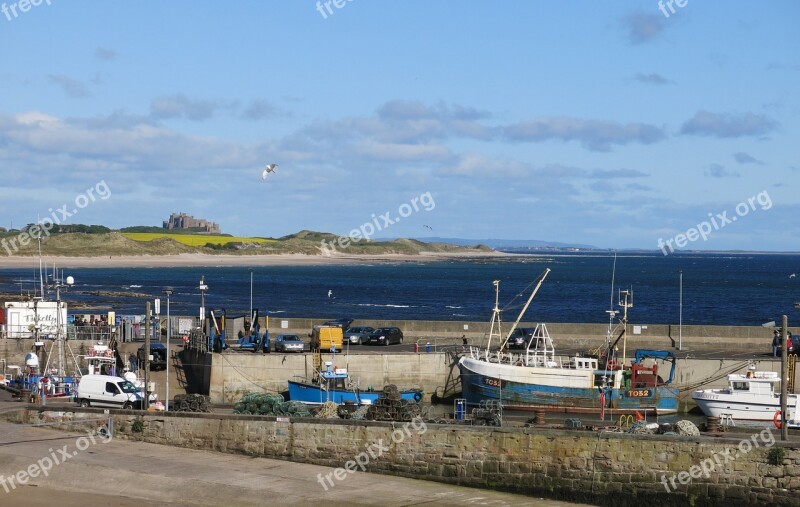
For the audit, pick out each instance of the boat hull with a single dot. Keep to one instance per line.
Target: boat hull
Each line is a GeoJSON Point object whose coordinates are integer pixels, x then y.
{"type": "Point", "coordinates": [757, 409]}
{"type": "Point", "coordinates": [313, 394]}
{"type": "Point", "coordinates": [557, 390]}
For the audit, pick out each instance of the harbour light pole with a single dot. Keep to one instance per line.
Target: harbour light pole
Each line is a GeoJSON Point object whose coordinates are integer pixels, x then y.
{"type": "Point", "coordinates": [680, 311]}
{"type": "Point", "coordinates": [168, 293]}
{"type": "Point", "coordinates": [251, 294]}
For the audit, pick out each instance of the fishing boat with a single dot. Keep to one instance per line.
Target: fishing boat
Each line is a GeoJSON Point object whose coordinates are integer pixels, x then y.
{"type": "Point", "coordinates": [334, 384]}
{"type": "Point", "coordinates": [754, 396]}
{"type": "Point", "coordinates": [538, 379]}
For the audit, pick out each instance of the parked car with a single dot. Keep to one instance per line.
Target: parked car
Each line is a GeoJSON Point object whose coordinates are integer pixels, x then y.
{"type": "Point", "coordinates": [520, 338]}
{"type": "Point", "coordinates": [341, 323]}
{"type": "Point", "coordinates": [385, 336]}
{"type": "Point", "coordinates": [358, 334]}
{"type": "Point", "coordinates": [159, 353]}
{"type": "Point", "coordinates": [289, 343]}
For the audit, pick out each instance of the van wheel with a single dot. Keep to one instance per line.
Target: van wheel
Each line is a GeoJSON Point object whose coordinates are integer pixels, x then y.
{"type": "Point", "coordinates": [127, 405]}
{"type": "Point", "coordinates": [84, 403]}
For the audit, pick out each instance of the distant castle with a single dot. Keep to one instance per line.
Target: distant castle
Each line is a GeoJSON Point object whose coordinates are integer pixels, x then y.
{"type": "Point", "coordinates": [184, 221]}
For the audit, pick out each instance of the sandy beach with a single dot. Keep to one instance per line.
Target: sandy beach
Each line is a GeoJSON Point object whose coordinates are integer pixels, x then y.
{"type": "Point", "coordinates": [189, 260]}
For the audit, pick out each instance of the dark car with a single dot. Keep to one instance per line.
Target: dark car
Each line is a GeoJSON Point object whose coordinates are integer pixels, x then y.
{"type": "Point", "coordinates": [385, 336]}
{"type": "Point", "coordinates": [342, 323]}
{"type": "Point", "coordinates": [357, 335]}
{"type": "Point", "coordinates": [520, 338]}
{"type": "Point", "coordinates": [289, 343]}
{"type": "Point", "coordinates": [159, 353]}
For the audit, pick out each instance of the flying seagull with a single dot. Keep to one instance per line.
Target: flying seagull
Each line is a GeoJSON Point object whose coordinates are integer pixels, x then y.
{"type": "Point", "coordinates": [330, 293]}
{"type": "Point", "coordinates": [792, 275]}
{"type": "Point", "coordinates": [428, 226]}
{"type": "Point", "coordinates": [269, 168]}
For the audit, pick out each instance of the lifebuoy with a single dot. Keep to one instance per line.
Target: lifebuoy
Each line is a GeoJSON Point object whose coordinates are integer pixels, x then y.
{"type": "Point", "coordinates": [612, 365]}
{"type": "Point", "coordinates": [776, 419]}
{"type": "Point", "coordinates": [417, 396]}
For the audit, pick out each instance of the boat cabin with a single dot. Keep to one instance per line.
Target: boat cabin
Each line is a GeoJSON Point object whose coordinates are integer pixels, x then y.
{"type": "Point", "coordinates": [754, 382]}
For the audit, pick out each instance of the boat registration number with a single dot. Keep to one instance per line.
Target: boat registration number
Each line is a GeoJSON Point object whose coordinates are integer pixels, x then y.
{"type": "Point", "coordinates": [494, 382]}
{"type": "Point", "coordinates": [639, 393]}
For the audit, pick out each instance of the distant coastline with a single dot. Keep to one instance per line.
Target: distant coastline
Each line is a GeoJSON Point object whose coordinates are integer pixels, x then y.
{"type": "Point", "coordinates": [223, 260]}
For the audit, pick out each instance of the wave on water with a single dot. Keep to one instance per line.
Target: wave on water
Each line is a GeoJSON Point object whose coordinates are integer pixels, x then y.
{"type": "Point", "coordinates": [454, 307]}
{"type": "Point", "coordinates": [385, 306]}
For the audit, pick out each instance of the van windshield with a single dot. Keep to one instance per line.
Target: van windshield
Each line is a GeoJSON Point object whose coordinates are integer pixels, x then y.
{"type": "Point", "coordinates": [128, 387]}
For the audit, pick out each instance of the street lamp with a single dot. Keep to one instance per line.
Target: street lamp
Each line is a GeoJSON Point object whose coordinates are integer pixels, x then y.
{"type": "Point", "coordinates": [251, 293]}
{"type": "Point", "coordinates": [680, 311]}
{"type": "Point", "coordinates": [168, 293]}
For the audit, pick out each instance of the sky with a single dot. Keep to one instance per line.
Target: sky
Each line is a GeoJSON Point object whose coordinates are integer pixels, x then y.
{"type": "Point", "coordinates": [618, 124]}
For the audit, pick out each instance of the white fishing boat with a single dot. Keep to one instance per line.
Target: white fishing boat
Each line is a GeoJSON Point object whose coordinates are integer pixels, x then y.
{"type": "Point", "coordinates": [754, 396]}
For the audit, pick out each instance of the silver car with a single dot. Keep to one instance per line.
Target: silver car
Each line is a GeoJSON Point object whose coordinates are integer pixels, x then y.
{"type": "Point", "coordinates": [289, 343]}
{"type": "Point", "coordinates": [358, 335]}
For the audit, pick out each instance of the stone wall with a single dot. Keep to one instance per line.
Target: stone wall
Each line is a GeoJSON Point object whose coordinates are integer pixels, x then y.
{"type": "Point", "coordinates": [233, 374]}
{"type": "Point", "coordinates": [600, 468]}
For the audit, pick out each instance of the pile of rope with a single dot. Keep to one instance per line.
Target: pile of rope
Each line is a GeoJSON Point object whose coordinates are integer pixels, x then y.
{"type": "Point", "coordinates": [191, 403]}
{"type": "Point", "coordinates": [329, 410]}
{"type": "Point", "coordinates": [270, 404]}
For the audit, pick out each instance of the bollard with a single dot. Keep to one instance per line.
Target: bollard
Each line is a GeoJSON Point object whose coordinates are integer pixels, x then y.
{"type": "Point", "coordinates": [712, 424]}
{"type": "Point", "coordinates": [539, 417]}
{"type": "Point", "coordinates": [428, 347]}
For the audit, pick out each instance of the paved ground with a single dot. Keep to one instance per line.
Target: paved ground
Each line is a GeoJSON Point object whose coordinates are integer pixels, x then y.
{"type": "Point", "coordinates": [123, 473]}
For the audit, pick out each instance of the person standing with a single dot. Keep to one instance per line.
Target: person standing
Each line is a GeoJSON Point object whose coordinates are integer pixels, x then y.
{"type": "Point", "coordinates": [776, 343]}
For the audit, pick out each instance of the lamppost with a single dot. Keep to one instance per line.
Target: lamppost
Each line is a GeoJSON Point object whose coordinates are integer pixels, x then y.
{"type": "Point", "coordinates": [251, 294]}
{"type": "Point", "coordinates": [680, 311]}
{"type": "Point", "coordinates": [168, 293]}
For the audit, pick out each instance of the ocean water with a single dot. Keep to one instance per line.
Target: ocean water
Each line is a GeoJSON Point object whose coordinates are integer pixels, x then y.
{"type": "Point", "coordinates": [717, 289]}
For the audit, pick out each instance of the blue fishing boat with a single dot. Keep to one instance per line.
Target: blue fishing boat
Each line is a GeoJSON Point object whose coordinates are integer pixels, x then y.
{"type": "Point", "coordinates": [333, 384]}
{"type": "Point", "coordinates": [537, 379]}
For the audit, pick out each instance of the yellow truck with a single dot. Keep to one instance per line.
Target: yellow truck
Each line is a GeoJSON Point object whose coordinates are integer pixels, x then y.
{"type": "Point", "coordinates": [325, 337]}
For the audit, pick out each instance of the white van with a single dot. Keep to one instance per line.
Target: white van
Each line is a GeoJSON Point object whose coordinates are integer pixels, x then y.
{"type": "Point", "coordinates": [107, 391]}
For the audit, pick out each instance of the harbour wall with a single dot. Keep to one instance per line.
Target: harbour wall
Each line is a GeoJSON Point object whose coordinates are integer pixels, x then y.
{"type": "Point", "coordinates": [604, 468]}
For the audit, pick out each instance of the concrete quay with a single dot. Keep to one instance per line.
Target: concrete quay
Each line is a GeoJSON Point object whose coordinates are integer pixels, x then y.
{"type": "Point", "coordinates": [126, 473]}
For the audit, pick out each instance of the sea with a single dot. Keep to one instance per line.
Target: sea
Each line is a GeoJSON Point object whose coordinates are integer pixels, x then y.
{"type": "Point", "coordinates": [706, 289]}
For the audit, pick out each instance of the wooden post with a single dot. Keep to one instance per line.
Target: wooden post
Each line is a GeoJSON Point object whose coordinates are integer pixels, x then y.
{"type": "Point", "coordinates": [784, 380]}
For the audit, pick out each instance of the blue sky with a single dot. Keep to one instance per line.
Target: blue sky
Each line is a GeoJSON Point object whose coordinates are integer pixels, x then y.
{"type": "Point", "coordinates": [594, 122]}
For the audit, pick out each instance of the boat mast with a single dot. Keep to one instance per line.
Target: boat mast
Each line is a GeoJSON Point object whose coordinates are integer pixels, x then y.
{"type": "Point", "coordinates": [626, 301]}
{"type": "Point", "coordinates": [527, 304]}
{"type": "Point", "coordinates": [495, 318]}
